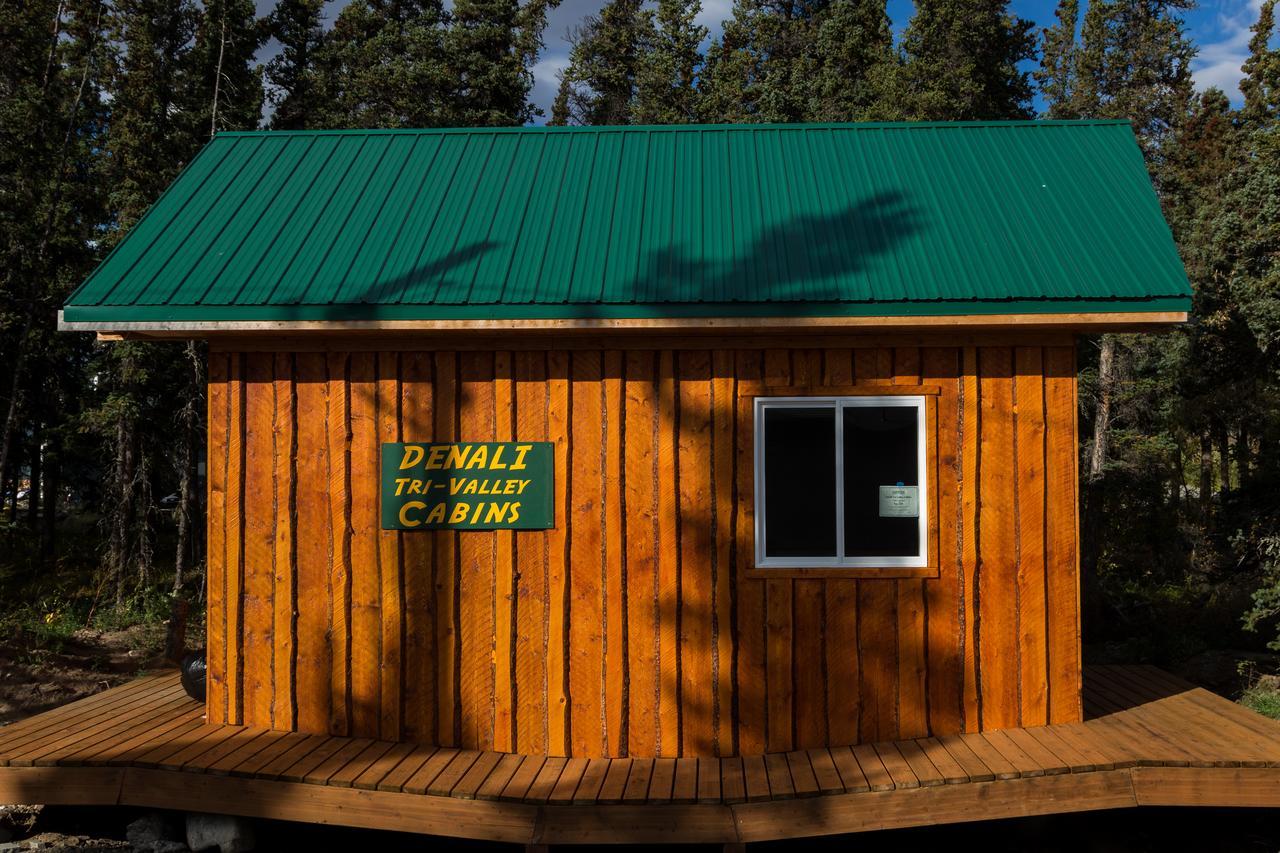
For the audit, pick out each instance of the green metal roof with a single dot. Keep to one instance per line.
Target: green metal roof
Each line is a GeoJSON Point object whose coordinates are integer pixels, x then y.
{"type": "Point", "coordinates": [634, 222]}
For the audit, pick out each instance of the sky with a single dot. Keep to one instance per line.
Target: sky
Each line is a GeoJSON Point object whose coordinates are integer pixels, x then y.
{"type": "Point", "coordinates": [1219, 29]}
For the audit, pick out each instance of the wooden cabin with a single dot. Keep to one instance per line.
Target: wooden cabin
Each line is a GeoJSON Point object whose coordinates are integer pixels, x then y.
{"type": "Point", "coordinates": [710, 443]}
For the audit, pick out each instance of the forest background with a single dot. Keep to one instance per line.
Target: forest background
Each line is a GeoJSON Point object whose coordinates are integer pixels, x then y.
{"type": "Point", "coordinates": [102, 103]}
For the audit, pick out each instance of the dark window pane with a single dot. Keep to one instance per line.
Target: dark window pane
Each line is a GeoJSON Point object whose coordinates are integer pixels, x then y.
{"type": "Point", "coordinates": [800, 482]}
{"type": "Point", "coordinates": [881, 482]}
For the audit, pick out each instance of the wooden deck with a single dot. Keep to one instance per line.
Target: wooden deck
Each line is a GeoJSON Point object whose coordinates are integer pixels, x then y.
{"type": "Point", "coordinates": [1150, 740]}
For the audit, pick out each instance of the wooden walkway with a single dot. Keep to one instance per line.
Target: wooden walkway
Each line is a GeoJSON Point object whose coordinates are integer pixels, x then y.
{"type": "Point", "coordinates": [1150, 740]}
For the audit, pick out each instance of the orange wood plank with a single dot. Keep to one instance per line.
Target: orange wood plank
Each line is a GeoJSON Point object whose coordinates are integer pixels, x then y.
{"type": "Point", "coordinates": [567, 784]}
{"type": "Point", "coordinates": [999, 654]}
{"type": "Point", "coordinates": [407, 769]}
{"type": "Point", "coordinates": [285, 582]}
{"type": "Point", "coordinates": [778, 602]}
{"type": "Point", "coordinates": [971, 434]}
{"type": "Point", "coordinates": [523, 778]}
{"type": "Point", "coordinates": [448, 713]}
{"type": "Point", "coordinates": [391, 594]}
{"type": "Point", "coordinates": [558, 567]}
{"type": "Point", "coordinates": [501, 776]}
{"type": "Point", "coordinates": [314, 544]}
{"type": "Point", "coordinates": [417, 395]}
{"type": "Point", "coordinates": [477, 560]}
{"type": "Point", "coordinates": [639, 524]}
{"type": "Point", "coordinates": [912, 631]}
{"type": "Point", "coordinates": [339, 507]}
{"type": "Point", "coordinates": [809, 664]}
{"type": "Point", "coordinates": [592, 781]}
{"type": "Point", "coordinates": [669, 736]}
{"type": "Point", "coordinates": [1033, 626]}
{"type": "Point", "coordinates": [662, 780]}
{"type": "Point", "coordinates": [943, 596]}
{"type": "Point", "coordinates": [697, 537]}
{"type": "Point", "coordinates": [615, 604]}
{"type": "Point", "coordinates": [504, 606]}
{"type": "Point", "coordinates": [451, 774]}
{"type": "Point", "coordinates": [751, 618]}
{"type": "Point", "coordinates": [615, 781]}
{"type": "Point", "coordinates": [532, 602]}
{"type": "Point", "coordinates": [219, 414]}
{"type": "Point", "coordinates": [364, 571]}
{"type": "Point", "coordinates": [586, 608]}
{"type": "Point", "coordinates": [900, 771]}
{"type": "Point", "coordinates": [258, 509]}
{"type": "Point", "coordinates": [378, 770]}
{"type": "Point", "coordinates": [722, 575]}
{"type": "Point", "coordinates": [1061, 529]}
{"type": "Point", "coordinates": [920, 763]}
{"type": "Point", "coordinates": [363, 761]}
{"type": "Point", "coordinates": [475, 777]}
{"type": "Point", "coordinates": [234, 679]}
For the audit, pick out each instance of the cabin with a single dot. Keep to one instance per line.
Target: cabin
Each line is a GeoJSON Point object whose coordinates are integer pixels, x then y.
{"type": "Point", "coordinates": [711, 483]}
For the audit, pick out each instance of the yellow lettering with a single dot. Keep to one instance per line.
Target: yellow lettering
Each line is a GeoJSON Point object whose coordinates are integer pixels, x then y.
{"type": "Point", "coordinates": [471, 488]}
{"type": "Point", "coordinates": [400, 481]}
{"type": "Point", "coordinates": [436, 459]}
{"type": "Point", "coordinates": [436, 516]}
{"type": "Point", "coordinates": [479, 458]}
{"type": "Point", "coordinates": [475, 517]}
{"type": "Point", "coordinates": [412, 456]}
{"type": "Point", "coordinates": [456, 484]}
{"type": "Point", "coordinates": [404, 513]}
{"type": "Point", "coordinates": [496, 464]}
{"type": "Point", "coordinates": [515, 512]}
{"type": "Point", "coordinates": [524, 484]}
{"type": "Point", "coordinates": [457, 456]}
{"type": "Point", "coordinates": [415, 487]}
{"type": "Point", "coordinates": [459, 514]}
{"type": "Point", "coordinates": [521, 451]}
{"type": "Point", "coordinates": [496, 513]}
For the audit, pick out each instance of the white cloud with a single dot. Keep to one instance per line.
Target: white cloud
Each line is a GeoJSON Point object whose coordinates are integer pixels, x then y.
{"type": "Point", "coordinates": [713, 15]}
{"type": "Point", "coordinates": [1218, 62]}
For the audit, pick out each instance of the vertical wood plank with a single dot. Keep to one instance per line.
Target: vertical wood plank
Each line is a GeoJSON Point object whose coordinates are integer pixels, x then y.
{"type": "Point", "coordinates": [339, 444]}
{"type": "Point", "coordinates": [560, 415]}
{"type": "Point", "coordinates": [531, 561]}
{"type": "Point", "coordinates": [258, 509]}
{"type": "Point", "coordinates": [912, 688]}
{"type": "Point", "coordinates": [971, 435]}
{"type": "Point", "coordinates": [722, 580]}
{"type": "Point", "coordinates": [477, 565]}
{"type": "Point", "coordinates": [284, 586]}
{"type": "Point", "coordinates": [780, 672]}
{"type": "Point", "coordinates": [669, 736]}
{"type": "Point", "coordinates": [417, 396]}
{"type": "Point", "coordinates": [877, 606]}
{"type": "Point", "coordinates": [364, 579]}
{"type": "Point", "coordinates": [697, 545]}
{"type": "Point", "coordinates": [505, 601]}
{"type": "Point", "coordinates": [448, 722]}
{"type": "Point", "coordinates": [941, 367]}
{"type": "Point", "coordinates": [1029, 464]}
{"type": "Point", "coordinates": [586, 496]}
{"type": "Point", "coordinates": [1062, 557]}
{"type": "Point", "coordinates": [640, 521]}
{"type": "Point", "coordinates": [841, 617]}
{"type": "Point", "coordinates": [219, 416]}
{"type": "Point", "coordinates": [235, 543]}
{"type": "Point", "coordinates": [997, 542]}
{"type": "Point", "coordinates": [809, 664]}
{"type": "Point", "coordinates": [390, 573]}
{"type": "Point", "coordinates": [616, 610]}
{"type": "Point", "coordinates": [750, 669]}
{"type": "Point", "coordinates": [314, 659]}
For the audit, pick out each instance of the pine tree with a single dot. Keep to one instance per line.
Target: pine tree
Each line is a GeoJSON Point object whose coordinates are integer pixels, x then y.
{"type": "Point", "coordinates": [1058, 58]}
{"type": "Point", "coordinates": [666, 91]}
{"type": "Point", "coordinates": [599, 84]}
{"type": "Point", "coordinates": [961, 62]}
{"type": "Point", "coordinates": [1261, 83]}
{"type": "Point", "coordinates": [290, 74]}
{"type": "Point", "coordinates": [852, 63]}
{"type": "Point", "coordinates": [384, 65]}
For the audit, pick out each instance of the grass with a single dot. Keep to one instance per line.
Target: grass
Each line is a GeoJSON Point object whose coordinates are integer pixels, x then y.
{"type": "Point", "coordinates": [1263, 696]}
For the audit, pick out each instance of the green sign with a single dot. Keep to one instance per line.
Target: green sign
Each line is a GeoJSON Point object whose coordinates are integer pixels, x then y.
{"type": "Point", "coordinates": [483, 485]}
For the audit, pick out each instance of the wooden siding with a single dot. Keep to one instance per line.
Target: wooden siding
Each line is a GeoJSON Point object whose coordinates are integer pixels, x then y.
{"type": "Point", "coordinates": [632, 627]}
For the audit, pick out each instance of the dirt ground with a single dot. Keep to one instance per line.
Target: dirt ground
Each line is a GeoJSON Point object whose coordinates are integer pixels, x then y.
{"type": "Point", "coordinates": [34, 680]}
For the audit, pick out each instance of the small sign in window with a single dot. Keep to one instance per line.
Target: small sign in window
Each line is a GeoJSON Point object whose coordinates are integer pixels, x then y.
{"type": "Point", "coordinates": [899, 501]}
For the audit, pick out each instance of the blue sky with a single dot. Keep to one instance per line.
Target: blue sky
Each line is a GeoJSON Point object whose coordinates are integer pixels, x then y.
{"type": "Point", "coordinates": [1219, 29]}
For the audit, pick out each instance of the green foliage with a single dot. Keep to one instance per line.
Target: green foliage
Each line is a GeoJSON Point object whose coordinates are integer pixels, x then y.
{"type": "Point", "coordinates": [290, 75]}
{"type": "Point", "coordinates": [604, 61]}
{"type": "Point", "coordinates": [666, 80]}
{"type": "Point", "coordinates": [1262, 696]}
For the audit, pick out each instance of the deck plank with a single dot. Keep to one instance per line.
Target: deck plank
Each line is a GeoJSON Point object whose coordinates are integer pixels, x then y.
{"type": "Point", "coordinates": [377, 771]}
{"type": "Point", "coordinates": [873, 770]}
{"type": "Point", "coordinates": [685, 789]}
{"type": "Point", "coordinates": [500, 777]}
{"type": "Point", "coordinates": [615, 781]}
{"type": "Point", "coordinates": [471, 781]}
{"type": "Point", "coordinates": [921, 765]}
{"type": "Point", "coordinates": [951, 770]}
{"type": "Point", "coordinates": [355, 768]}
{"type": "Point", "coordinates": [592, 781]}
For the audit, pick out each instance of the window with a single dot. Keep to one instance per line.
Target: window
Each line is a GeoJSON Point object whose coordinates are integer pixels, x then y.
{"type": "Point", "coordinates": [840, 482]}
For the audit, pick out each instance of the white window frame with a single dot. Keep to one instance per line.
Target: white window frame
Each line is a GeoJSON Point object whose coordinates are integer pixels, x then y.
{"type": "Point", "coordinates": [838, 405]}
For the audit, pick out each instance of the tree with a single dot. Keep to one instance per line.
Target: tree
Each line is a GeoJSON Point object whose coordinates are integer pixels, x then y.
{"type": "Point", "coordinates": [224, 84]}
{"type": "Point", "coordinates": [666, 81]}
{"type": "Point", "coordinates": [1261, 83]}
{"type": "Point", "coordinates": [961, 62]}
{"type": "Point", "coordinates": [491, 45]}
{"type": "Point", "coordinates": [290, 75]}
{"type": "Point", "coordinates": [599, 84]}
{"type": "Point", "coordinates": [384, 65]}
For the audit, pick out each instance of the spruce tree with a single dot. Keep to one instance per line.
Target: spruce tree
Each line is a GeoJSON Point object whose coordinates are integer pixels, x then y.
{"type": "Point", "coordinates": [599, 84]}
{"type": "Point", "coordinates": [961, 62]}
{"type": "Point", "coordinates": [666, 90]}
{"type": "Point", "coordinates": [852, 63]}
{"type": "Point", "coordinates": [1058, 58]}
{"type": "Point", "coordinates": [484, 46]}
{"type": "Point", "coordinates": [290, 74]}
{"type": "Point", "coordinates": [384, 65]}
{"type": "Point", "coordinates": [224, 83]}
{"type": "Point", "coordinates": [1261, 83]}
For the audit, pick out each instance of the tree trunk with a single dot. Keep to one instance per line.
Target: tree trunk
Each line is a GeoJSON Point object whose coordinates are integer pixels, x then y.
{"type": "Point", "coordinates": [1102, 417]}
{"type": "Point", "coordinates": [1206, 473]}
{"type": "Point", "coordinates": [1092, 604]}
